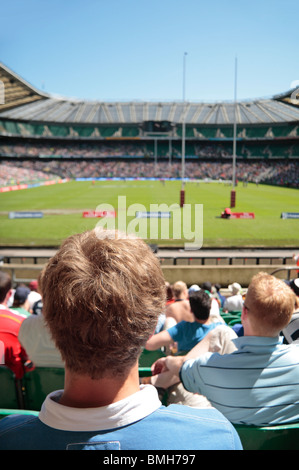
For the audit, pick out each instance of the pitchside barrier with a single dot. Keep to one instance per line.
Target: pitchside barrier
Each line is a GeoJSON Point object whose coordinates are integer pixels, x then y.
{"type": "Point", "coordinates": [195, 274]}
{"type": "Point", "coordinates": [289, 215]}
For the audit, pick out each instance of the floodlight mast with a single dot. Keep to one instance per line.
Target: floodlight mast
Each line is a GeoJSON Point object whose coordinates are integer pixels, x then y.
{"type": "Point", "coordinates": [233, 192]}
{"type": "Point", "coordinates": [182, 194]}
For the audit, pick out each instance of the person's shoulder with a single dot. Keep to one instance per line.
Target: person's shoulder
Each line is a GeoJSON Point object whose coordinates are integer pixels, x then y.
{"type": "Point", "coordinates": [30, 322]}
{"type": "Point", "coordinates": [169, 308]}
{"type": "Point", "coordinates": [204, 423]}
{"type": "Point", "coordinates": [16, 430]}
{"type": "Point", "coordinates": [198, 416]}
{"type": "Point", "coordinates": [190, 412]}
{"type": "Point", "coordinates": [11, 313]}
{"type": "Point", "coordinates": [16, 421]}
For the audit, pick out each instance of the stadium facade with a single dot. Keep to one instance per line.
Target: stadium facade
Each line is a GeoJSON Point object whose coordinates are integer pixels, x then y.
{"type": "Point", "coordinates": [34, 124]}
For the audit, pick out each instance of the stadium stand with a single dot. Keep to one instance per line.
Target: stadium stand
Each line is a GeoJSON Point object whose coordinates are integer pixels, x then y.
{"type": "Point", "coordinates": [37, 127]}
{"type": "Point", "coordinates": [30, 170]}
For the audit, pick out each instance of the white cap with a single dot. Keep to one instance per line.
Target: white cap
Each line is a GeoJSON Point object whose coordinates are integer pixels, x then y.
{"type": "Point", "coordinates": [193, 288]}
{"type": "Point", "coordinates": [235, 288]}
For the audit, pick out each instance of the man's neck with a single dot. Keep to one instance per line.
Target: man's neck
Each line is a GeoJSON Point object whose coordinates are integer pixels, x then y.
{"type": "Point", "coordinates": [81, 391]}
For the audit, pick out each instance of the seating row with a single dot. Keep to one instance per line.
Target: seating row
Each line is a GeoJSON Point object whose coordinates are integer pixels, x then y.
{"type": "Point", "coordinates": [231, 318]}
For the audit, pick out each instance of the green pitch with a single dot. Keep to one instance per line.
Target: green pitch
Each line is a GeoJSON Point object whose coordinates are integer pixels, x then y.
{"type": "Point", "coordinates": [63, 205]}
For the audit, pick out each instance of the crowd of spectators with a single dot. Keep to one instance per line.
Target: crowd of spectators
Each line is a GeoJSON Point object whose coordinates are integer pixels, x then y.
{"type": "Point", "coordinates": [279, 173]}
{"type": "Point", "coordinates": [107, 316]}
{"type": "Point", "coordinates": [12, 173]}
{"type": "Point", "coordinates": [117, 148]}
{"type": "Point", "coordinates": [84, 150]}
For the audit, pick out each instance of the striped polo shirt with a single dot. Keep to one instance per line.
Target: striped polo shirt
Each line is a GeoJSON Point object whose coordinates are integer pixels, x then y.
{"type": "Point", "coordinates": [257, 384]}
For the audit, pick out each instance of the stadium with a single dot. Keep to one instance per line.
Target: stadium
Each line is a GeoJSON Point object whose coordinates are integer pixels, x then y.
{"type": "Point", "coordinates": [62, 158]}
{"type": "Point", "coordinates": [45, 138]}
{"type": "Point", "coordinates": [36, 125]}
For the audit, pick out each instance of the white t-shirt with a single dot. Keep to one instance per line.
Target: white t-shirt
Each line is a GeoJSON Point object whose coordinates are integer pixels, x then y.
{"type": "Point", "coordinates": [233, 303]}
{"type": "Point", "coordinates": [35, 338]}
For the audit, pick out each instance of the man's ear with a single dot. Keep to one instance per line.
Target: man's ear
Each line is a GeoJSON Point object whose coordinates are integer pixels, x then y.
{"type": "Point", "coordinates": [8, 295]}
{"type": "Point", "coordinates": [244, 313]}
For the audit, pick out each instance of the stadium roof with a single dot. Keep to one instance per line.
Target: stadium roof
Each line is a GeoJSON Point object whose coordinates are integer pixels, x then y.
{"type": "Point", "coordinates": [21, 101]}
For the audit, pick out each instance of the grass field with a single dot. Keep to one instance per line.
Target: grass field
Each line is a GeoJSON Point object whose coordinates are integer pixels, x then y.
{"type": "Point", "coordinates": [63, 205]}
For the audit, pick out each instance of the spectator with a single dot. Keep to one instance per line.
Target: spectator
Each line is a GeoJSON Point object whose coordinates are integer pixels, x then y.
{"type": "Point", "coordinates": [219, 295]}
{"type": "Point", "coordinates": [109, 291]}
{"type": "Point", "coordinates": [193, 288]}
{"type": "Point", "coordinates": [14, 355]}
{"type": "Point", "coordinates": [218, 340]}
{"type": "Point", "coordinates": [291, 331]}
{"type": "Point", "coordinates": [35, 337]}
{"type": "Point", "coordinates": [187, 334]}
{"type": "Point", "coordinates": [162, 324]}
{"type": "Point", "coordinates": [180, 309]}
{"type": "Point", "coordinates": [235, 302]}
{"type": "Point", "coordinates": [215, 310]}
{"type": "Point", "coordinates": [34, 295]}
{"type": "Point", "coordinates": [20, 302]}
{"type": "Point", "coordinates": [267, 370]}
{"type": "Point", "coordinates": [169, 293]}
{"type": "Point", "coordinates": [37, 307]}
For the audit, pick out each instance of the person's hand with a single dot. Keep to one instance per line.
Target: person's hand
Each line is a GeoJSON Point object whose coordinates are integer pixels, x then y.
{"type": "Point", "coordinates": [159, 366]}
{"type": "Point", "coordinates": [167, 364]}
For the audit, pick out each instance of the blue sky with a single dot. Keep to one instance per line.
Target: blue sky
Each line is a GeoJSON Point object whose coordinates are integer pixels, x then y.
{"type": "Point", "coordinates": [133, 49]}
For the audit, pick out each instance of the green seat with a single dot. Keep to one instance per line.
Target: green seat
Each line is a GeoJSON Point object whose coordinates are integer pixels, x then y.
{"type": "Point", "coordinates": [147, 358]}
{"type": "Point", "coordinates": [280, 437]}
{"type": "Point", "coordinates": [39, 382]}
{"type": "Point", "coordinates": [8, 412]}
{"type": "Point", "coordinates": [234, 321]}
{"type": "Point", "coordinates": [144, 371]}
{"type": "Point", "coordinates": [10, 389]}
{"type": "Point", "coordinates": [227, 317]}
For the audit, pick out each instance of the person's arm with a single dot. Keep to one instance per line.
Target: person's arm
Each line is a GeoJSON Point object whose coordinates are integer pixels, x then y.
{"type": "Point", "coordinates": [166, 370]}
{"type": "Point", "coordinates": [201, 348]}
{"type": "Point", "coordinates": [158, 341]}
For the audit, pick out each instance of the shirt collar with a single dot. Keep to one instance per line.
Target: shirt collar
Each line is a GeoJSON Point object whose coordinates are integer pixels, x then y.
{"type": "Point", "coordinates": [124, 412]}
{"type": "Point", "coordinates": [244, 342]}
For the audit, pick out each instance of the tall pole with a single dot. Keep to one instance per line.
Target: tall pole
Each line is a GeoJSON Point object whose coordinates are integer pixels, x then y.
{"type": "Point", "coordinates": [155, 155]}
{"type": "Point", "coordinates": [182, 198]}
{"type": "Point", "coordinates": [170, 151]}
{"type": "Point", "coordinates": [233, 192]}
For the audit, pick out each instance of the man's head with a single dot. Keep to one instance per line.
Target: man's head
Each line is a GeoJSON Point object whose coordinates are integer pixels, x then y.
{"type": "Point", "coordinates": [235, 288]}
{"type": "Point", "coordinates": [102, 294]}
{"type": "Point", "coordinates": [200, 304]}
{"type": "Point", "coordinates": [180, 290]}
{"type": "Point", "coordinates": [268, 305]}
{"type": "Point", "coordinates": [207, 286]}
{"type": "Point", "coordinates": [21, 296]}
{"type": "Point", "coordinates": [5, 286]}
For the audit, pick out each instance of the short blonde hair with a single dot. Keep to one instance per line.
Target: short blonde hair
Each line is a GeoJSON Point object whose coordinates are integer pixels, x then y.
{"type": "Point", "coordinates": [178, 288]}
{"type": "Point", "coordinates": [102, 295]}
{"type": "Point", "coordinates": [271, 303]}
